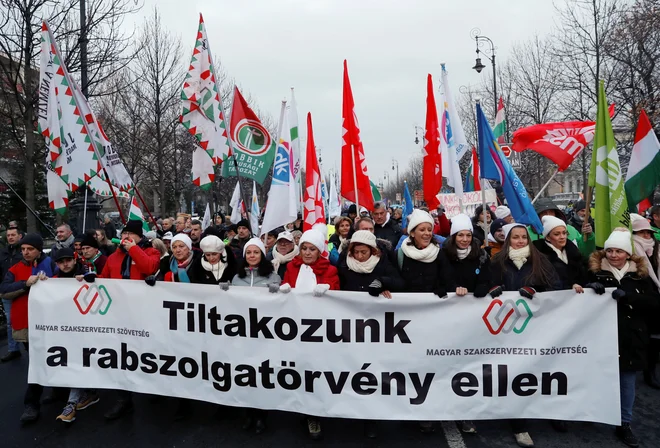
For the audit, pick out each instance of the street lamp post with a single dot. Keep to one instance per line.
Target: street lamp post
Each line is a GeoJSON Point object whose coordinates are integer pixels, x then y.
{"type": "Point", "coordinates": [386, 177]}
{"type": "Point", "coordinates": [419, 131]}
{"type": "Point", "coordinates": [478, 66]}
{"type": "Point", "coordinates": [396, 163]}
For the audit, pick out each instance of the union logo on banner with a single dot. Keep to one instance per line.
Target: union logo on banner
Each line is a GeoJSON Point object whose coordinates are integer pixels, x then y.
{"type": "Point", "coordinates": [92, 300]}
{"type": "Point", "coordinates": [507, 316]}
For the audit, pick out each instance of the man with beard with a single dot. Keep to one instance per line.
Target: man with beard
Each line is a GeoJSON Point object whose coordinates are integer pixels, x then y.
{"type": "Point", "coordinates": [577, 218]}
{"type": "Point", "coordinates": [196, 233]}
{"type": "Point", "coordinates": [65, 236]}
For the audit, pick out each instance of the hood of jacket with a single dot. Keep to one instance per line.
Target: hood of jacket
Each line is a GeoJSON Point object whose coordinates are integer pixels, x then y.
{"type": "Point", "coordinates": [598, 262]}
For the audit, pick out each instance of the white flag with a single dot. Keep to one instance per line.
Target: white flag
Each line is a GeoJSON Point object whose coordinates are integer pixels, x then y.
{"type": "Point", "coordinates": [206, 221]}
{"type": "Point", "coordinates": [254, 210]}
{"type": "Point", "coordinates": [235, 203]}
{"type": "Point", "coordinates": [334, 208]}
{"type": "Point", "coordinates": [453, 144]}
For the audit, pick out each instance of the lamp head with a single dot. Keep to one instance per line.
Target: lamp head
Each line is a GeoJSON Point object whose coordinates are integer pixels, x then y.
{"type": "Point", "coordinates": [478, 66]}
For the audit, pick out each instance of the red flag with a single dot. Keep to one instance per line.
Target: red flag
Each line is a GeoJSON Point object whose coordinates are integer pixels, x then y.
{"type": "Point", "coordinates": [432, 171]}
{"type": "Point", "coordinates": [353, 162]}
{"type": "Point", "coordinates": [313, 200]}
{"type": "Point", "coordinates": [559, 142]}
{"type": "Point", "coordinates": [475, 169]}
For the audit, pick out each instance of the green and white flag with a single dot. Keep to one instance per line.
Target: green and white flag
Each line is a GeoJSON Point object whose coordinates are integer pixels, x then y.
{"type": "Point", "coordinates": [605, 177]}
{"type": "Point", "coordinates": [136, 213]}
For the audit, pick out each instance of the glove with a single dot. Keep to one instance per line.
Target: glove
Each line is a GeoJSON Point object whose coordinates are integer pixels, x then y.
{"type": "Point", "coordinates": [150, 280]}
{"type": "Point", "coordinates": [527, 292]}
{"type": "Point", "coordinates": [285, 288]}
{"type": "Point", "coordinates": [481, 291]}
{"type": "Point", "coordinates": [224, 286]}
{"type": "Point", "coordinates": [440, 292]}
{"type": "Point", "coordinates": [597, 287]}
{"type": "Point", "coordinates": [273, 288]}
{"type": "Point", "coordinates": [90, 277]}
{"type": "Point", "coordinates": [321, 289]}
{"type": "Point", "coordinates": [375, 288]}
{"type": "Point", "coordinates": [495, 291]}
{"type": "Point", "coordinates": [619, 295]}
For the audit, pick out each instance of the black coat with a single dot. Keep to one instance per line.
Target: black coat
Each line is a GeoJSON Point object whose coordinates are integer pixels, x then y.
{"type": "Point", "coordinates": [512, 279]}
{"type": "Point", "coordinates": [478, 232]}
{"type": "Point", "coordinates": [110, 230]}
{"type": "Point", "coordinates": [472, 273]}
{"type": "Point", "coordinates": [203, 276]}
{"type": "Point", "coordinates": [575, 272]}
{"type": "Point", "coordinates": [419, 276]}
{"type": "Point", "coordinates": [641, 304]}
{"type": "Point", "coordinates": [9, 256]}
{"type": "Point", "coordinates": [390, 231]}
{"type": "Point", "coordinates": [384, 271]}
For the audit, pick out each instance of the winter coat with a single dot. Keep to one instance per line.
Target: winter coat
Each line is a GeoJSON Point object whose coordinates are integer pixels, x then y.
{"type": "Point", "coordinates": [97, 266]}
{"type": "Point", "coordinates": [419, 276]}
{"type": "Point", "coordinates": [13, 287]}
{"type": "Point", "coordinates": [108, 249]}
{"type": "Point", "coordinates": [512, 279]}
{"type": "Point", "coordinates": [236, 245]}
{"type": "Point", "coordinates": [586, 247]}
{"type": "Point", "coordinates": [576, 222]}
{"type": "Point", "coordinates": [493, 248]}
{"type": "Point", "coordinates": [575, 272]}
{"type": "Point", "coordinates": [325, 272]}
{"type": "Point", "coordinates": [384, 246]}
{"type": "Point", "coordinates": [389, 231]}
{"type": "Point", "coordinates": [144, 262]}
{"type": "Point", "coordinates": [110, 230]}
{"type": "Point", "coordinates": [9, 256]}
{"type": "Point", "coordinates": [207, 277]}
{"type": "Point", "coordinates": [252, 278]}
{"type": "Point", "coordinates": [384, 271]}
{"type": "Point", "coordinates": [478, 232]}
{"type": "Point", "coordinates": [193, 275]}
{"type": "Point", "coordinates": [472, 272]}
{"type": "Point", "coordinates": [640, 303]}
{"type": "Point", "coordinates": [443, 228]}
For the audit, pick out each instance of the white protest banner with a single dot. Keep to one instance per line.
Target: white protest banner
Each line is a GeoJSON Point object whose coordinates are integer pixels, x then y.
{"type": "Point", "coordinates": [471, 200]}
{"type": "Point", "coordinates": [346, 354]}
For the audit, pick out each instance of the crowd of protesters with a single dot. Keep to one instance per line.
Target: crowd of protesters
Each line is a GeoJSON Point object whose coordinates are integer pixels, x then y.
{"type": "Point", "coordinates": [483, 255]}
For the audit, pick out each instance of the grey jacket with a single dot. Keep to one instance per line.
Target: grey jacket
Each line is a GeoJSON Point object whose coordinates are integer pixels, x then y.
{"type": "Point", "coordinates": [254, 279]}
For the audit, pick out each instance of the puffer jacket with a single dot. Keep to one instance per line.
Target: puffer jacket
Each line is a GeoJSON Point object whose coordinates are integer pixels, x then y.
{"type": "Point", "coordinates": [640, 304]}
{"type": "Point", "coordinates": [252, 278]}
{"type": "Point", "coordinates": [145, 261]}
{"type": "Point", "coordinates": [575, 272]}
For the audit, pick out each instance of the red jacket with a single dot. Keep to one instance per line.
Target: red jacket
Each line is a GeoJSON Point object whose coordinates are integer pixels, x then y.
{"type": "Point", "coordinates": [443, 228]}
{"type": "Point", "coordinates": [145, 262]}
{"type": "Point", "coordinates": [325, 272]}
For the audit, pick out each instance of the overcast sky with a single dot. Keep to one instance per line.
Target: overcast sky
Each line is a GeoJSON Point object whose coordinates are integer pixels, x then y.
{"type": "Point", "coordinates": [391, 45]}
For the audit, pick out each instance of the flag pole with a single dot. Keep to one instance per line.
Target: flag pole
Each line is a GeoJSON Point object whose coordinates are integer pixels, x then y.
{"type": "Point", "coordinates": [146, 207]}
{"type": "Point", "coordinates": [545, 186]}
{"type": "Point", "coordinates": [483, 191]}
{"type": "Point", "coordinates": [28, 207]}
{"type": "Point", "coordinates": [85, 209]}
{"type": "Point", "coordinates": [355, 187]}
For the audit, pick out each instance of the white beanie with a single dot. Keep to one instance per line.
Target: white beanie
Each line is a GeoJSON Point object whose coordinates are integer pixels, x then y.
{"type": "Point", "coordinates": [502, 212]}
{"type": "Point", "coordinates": [508, 227]}
{"type": "Point", "coordinates": [549, 223]}
{"type": "Point", "coordinates": [418, 217]}
{"type": "Point", "coordinates": [461, 222]}
{"type": "Point", "coordinates": [364, 237]}
{"type": "Point", "coordinates": [313, 237]}
{"type": "Point", "coordinates": [212, 244]}
{"type": "Point", "coordinates": [185, 239]}
{"type": "Point", "coordinates": [255, 242]}
{"type": "Point", "coordinates": [619, 239]}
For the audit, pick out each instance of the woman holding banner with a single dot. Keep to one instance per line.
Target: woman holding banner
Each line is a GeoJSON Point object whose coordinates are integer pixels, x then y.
{"type": "Point", "coordinates": [520, 267]}
{"type": "Point", "coordinates": [637, 301]}
{"type": "Point", "coordinates": [217, 265]}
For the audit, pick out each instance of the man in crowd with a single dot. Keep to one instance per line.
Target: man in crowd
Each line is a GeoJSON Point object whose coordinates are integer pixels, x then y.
{"type": "Point", "coordinates": [271, 239]}
{"type": "Point", "coordinates": [384, 227]}
{"type": "Point", "coordinates": [655, 221]}
{"type": "Point", "coordinates": [352, 212]}
{"type": "Point", "coordinates": [442, 225]}
{"type": "Point", "coordinates": [166, 227]}
{"type": "Point", "coordinates": [135, 260]}
{"type": "Point", "coordinates": [579, 213]}
{"type": "Point", "coordinates": [243, 235]}
{"type": "Point", "coordinates": [9, 256]}
{"type": "Point", "coordinates": [503, 212]}
{"type": "Point", "coordinates": [167, 240]}
{"type": "Point", "coordinates": [546, 207]}
{"type": "Point", "coordinates": [196, 233]}
{"type": "Point", "coordinates": [65, 236]}
{"type": "Point", "coordinates": [109, 227]}
{"type": "Point", "coordinates": [15, 286]}
{"type": "Point", "coordinates": [180, 224]}
{"type": "Point", "coordinates": [92, 258]}
{"type": "Point", "coordinates": [67, 266]}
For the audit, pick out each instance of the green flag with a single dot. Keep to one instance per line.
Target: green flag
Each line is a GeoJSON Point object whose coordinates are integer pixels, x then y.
{"type": "Point", "coordinates": [375, 192]}
{"type": "Point", "coordinates": [605, 177]}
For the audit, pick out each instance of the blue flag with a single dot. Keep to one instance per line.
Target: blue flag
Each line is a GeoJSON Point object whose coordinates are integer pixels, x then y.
{"type": "Point", "coordinates": [494, 165]}
{"type": "Point", "coordinates": [408, 205]}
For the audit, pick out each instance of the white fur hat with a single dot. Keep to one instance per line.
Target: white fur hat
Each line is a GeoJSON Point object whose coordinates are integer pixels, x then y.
{"type": "Point", "coordinates": [418, 217]}
{"type": "Point", "coordinates": [549, 223]}
{"type": "Point", "coordinates": [364, 237]}
{"type": "Point", "coordinates": [461, 222]}
{"type": "Point", "coordinates": [619, 239]}
{"type": "Point", "coordinates": [313, 237]}
{"type": "Point", "coordinates": [255, 242]}
{"type": "Point", "coordinates": [508, 227]}
{"type": "Point", "coordinates": [502, 212]}
{"type": "Point", "coordinates": [212, 244]}
{"type": "Point", "coordinates": [185, 239]}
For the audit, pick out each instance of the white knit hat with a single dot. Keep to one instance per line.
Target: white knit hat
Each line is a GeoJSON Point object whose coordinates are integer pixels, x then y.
{"type": "Point", "coordinates": [255, 242]}
{"type": "Point", "coordinates": [364, 237]}
{"type": "Point", "coordinates": [549, 223]}
{"type": "Point", "coordinates": [212, 244]}
{"type": "Point", "coordinates": [167, 236]}
{"type": "Point", "coordinates": [508, 227]}
{"type": "Point", "coordinates": [639, 223]}
{"type": "Point", "coordinates": [619, 239]}
{"type": "Point", "coordinates": [418, 217]}
{"type": "Point", "coordinates": [313, 237]}
{"type": "Point", "coordinates": [285, 236]}
{"type": "Point", "coordinates": [461, 222]}
{"type": "Point", "coordinates": [185, 239]}
{"type": "Point", "coordinates": [502, 212]}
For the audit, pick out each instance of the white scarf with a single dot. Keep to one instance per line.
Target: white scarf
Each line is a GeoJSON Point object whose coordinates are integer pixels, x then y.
{"type": "Point", "coordinates": [426, 255]}
{"type": "Point", "coordinates": [463, 253]}
{"type": "Point", "coordinates": [519, 256]}
{"type": "Point", "coordinates": [644, 248]}
{"type": "Point", "coordinates": [278, 258]}
{"type": "Point", "coordinates": [561, 253]}
{"type": "Point", "coordinates": [216, 269]}
{"type": "Point", "coordinates": [341, 242]}
{"type": "Point", "coordinates": [619, 273]}
{"type": "Point", "coordinates": [362, 267]}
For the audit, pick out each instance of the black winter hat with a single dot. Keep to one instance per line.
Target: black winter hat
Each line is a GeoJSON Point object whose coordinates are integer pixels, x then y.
{"type": "Point", "coordinates": [134, 226]}
{"type": "Point", "coordinates": [89, 240]}
{"type": "Point", "coordinates": [496, 225]}
{"type": "Point", "coordinates": [580, 205]}
{"type": "Point", "coordinates": [61, 254]}
{"type": "Point", "coordinates": [33, 239]}
{"type": "Point", "coordinates": [243, 223]}
{"type": "Point", "coordinates": [544, 204]}
{"type": "Point", "coordinates": [352, 209]}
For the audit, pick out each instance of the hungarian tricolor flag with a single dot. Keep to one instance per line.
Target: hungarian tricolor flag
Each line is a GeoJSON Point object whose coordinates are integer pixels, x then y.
{"type": "Point", "coordinates": [472, 175]}
{"type": "Point", "coordinates": [313, 199]}
{"type": "Point", "coordinates": [135, 213]}
{"type": "Point", "coordinates": [355, 184]}
{"type": "Point", "coordinates": [499, 131]}
{"type": "Point", "coordinates": [432, 169]}
{"type": "Point", "coordinates": [644, 167]}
